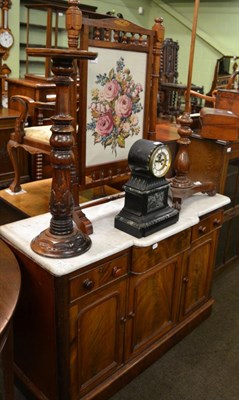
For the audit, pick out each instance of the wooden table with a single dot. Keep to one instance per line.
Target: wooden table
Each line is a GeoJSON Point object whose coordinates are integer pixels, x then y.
{"type": "Point", "coordinates": [10, 281]}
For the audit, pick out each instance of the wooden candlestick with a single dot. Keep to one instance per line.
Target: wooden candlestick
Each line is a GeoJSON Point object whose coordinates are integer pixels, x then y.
{"type": "Point", "coordinates": [158, 28]}
{"type": "Point", "coordinates": [181, 186]}
{"type": "Point", "coordinates": [62, 238]}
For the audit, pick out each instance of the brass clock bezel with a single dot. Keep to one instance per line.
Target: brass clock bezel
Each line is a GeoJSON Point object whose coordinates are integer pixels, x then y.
{"type": "Point", "coordinates": [159, 149]}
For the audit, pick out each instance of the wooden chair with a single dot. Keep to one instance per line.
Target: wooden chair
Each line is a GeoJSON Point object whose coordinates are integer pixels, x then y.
{"type": "Point", "coordinates": [35, 139]}
{"type": "Point", "coordinates": [123, 45]}
{"type": "Point", "coordinates": [212, 99]}
{"type": "Point", "coordinates": [121, 40]}
{"type": "Point", "coordinates": [10, 282]}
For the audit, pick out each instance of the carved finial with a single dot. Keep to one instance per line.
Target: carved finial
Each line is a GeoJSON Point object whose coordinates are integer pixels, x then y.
{"type": "Point", "coordinates": [73, 23]}
{"type": "Point", "coordinates": [159, 28]}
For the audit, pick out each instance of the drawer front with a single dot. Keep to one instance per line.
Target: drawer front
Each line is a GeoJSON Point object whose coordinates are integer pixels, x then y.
{"type": "Point", "coordinates": [207, 224]}
{"type": "Point", "coordinates": [144, 258]}
{"type": "Point", "coordinates": [105, 273]}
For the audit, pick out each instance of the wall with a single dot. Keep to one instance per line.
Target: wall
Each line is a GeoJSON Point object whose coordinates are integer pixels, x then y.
{"type": "Point", "coordinates": [14, 17]}
{"type": "Point", "coordinates": [217, 30]}
{"type": "Point", "coordinates": [217, 34]}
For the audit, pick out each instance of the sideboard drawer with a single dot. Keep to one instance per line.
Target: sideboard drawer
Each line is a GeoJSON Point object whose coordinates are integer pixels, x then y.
{"type": "Point", "coordinates": [144, 258]}
{"type": "Point", "coordinates": [208, 224]}
{"type": "Point", "coordinates": [102, 274]}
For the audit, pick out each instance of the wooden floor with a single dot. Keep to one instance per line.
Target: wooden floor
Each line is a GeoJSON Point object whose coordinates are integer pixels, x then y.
{"type": "Point", "coordinates": [34, 198]}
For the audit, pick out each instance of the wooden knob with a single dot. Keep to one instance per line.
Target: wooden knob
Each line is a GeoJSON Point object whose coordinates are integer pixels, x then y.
{"type": "Point", "coordinates": [202, 229]}
{"type": "Point", "coordinates": [88, 284]}
{"type": "Point", "coordinates": [216, 221]}
{"type": "Point", "coordinates": [116, 272]}
{"type": "Point", "coordinates": [185, 279]}
{"type": "Point", "coordinates": [131, 315]}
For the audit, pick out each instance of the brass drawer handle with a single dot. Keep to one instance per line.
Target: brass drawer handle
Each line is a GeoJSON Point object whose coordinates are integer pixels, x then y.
{"type": "Point", "coordinates": [88, 284]}
{"type": "Point", "coordinates": [116, 272]}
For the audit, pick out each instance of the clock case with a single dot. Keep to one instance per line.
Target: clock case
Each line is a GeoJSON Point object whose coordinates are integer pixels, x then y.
{"type": "Point", "coordinates": [146, 209]}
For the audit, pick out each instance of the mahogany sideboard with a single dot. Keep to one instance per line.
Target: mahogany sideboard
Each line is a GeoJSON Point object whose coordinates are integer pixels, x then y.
{"type": "Point", "coordinates": [85, 326]}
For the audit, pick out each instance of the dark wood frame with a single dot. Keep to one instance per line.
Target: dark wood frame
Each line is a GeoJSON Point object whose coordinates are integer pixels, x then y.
{"type": "Point", "coordinates": [103, 31]}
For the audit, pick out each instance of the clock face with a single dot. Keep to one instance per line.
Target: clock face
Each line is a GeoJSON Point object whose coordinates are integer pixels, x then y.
{"type": "Point", "coordinates": [160, 161]}
{"type": "Point", "coordinates": [6, 39]}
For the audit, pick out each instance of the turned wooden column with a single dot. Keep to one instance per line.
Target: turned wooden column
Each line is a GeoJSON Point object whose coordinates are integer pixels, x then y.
{"type": "Point", "coordinates": [62, 238]}
{"type": "Point", "coordinates": [158, 28]}
{"type": "Point", "coordinates": [181, 186]}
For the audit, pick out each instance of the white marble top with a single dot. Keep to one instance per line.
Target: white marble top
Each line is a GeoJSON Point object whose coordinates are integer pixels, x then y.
{"type": "Point", "coordinates": [106, 240]}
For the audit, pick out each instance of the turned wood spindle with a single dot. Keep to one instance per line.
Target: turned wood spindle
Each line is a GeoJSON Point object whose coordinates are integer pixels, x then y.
{"type": "Point", "coordinates": [62, 238]}
{"type": "Point", "coordinates": [181, 186]}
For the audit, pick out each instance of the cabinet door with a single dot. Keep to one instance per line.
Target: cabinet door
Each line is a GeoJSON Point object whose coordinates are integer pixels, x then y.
{"type": "Point", "coordinates": [153, 304]}
{"type": "Point", "coordinates": [197, 276]}
{"type": "Point", "coordinates": [96, 337]}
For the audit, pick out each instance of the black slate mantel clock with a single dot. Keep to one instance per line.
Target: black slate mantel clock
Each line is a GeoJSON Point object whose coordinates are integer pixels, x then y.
{"type": "Point", "coordinates": [146, 209]}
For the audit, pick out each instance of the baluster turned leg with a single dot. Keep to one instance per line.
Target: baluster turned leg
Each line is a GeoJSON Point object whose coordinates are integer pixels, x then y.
{"type": "Point", "coordinates": [62, 238]}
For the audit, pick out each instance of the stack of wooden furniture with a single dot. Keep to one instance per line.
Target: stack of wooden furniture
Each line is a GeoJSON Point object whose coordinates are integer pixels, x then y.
{"type": "Point", "coordinates": [214, 151]}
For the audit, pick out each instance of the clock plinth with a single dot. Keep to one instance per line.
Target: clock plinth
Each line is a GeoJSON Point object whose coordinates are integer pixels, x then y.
{"type": "Point", "coordinates": [146, 208]}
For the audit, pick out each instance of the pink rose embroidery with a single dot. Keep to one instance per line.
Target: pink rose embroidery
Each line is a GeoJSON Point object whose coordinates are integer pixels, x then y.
{"type": "Point", "coordinates": [115, 107]}
{"type": "Point", "coordinates": [111, 90]}
{"type": "Point", "coordinates": [104, 124]}
{"type": "Point", "coordinates": [123, 106]}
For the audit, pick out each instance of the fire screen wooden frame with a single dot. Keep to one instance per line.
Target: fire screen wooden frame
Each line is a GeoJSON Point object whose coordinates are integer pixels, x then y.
{"type": "Point", "coordinates": [114, 97]}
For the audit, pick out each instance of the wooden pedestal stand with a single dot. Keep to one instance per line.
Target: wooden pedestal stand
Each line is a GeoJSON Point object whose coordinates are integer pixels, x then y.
{"type": "Point", "coordinates": [62, 238]}
{"type": "Point", "coordinates": [181, 186]}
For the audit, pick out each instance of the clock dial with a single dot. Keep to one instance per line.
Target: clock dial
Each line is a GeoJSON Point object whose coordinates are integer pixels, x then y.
{"type": "Point", "coordinates": [150, 158]}
{"type": "Point", "coordinates": [6, 39]}
{"type": "Point", "coordinates": [160, 161]}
